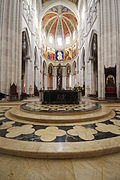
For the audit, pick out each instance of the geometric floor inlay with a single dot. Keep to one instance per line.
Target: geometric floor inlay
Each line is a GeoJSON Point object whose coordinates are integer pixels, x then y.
{"type": "Point", "coordinates": [37, 107]}
{"type": "Point", "coordinates": [44, 133]}
{"type": "Point", "coordinates": [41, 140]}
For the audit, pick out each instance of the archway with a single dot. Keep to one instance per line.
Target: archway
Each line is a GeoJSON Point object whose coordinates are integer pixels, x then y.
{"type": "Point", "coordinates": [94, 65]}
{"type": "Point", "coordinates": [25, 58]}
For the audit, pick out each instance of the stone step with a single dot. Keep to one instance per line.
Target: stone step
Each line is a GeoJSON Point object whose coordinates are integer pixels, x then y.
{"type": "Point", "coordinates": [17, 115]}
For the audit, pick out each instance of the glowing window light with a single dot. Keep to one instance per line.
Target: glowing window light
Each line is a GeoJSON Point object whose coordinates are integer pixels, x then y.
{"type": "Point", "coordinates": [59, 41]}
{"type": "Point", "coordinates": [67, 39]}
{"type": "Point", "coordinates": [50, 39]}
{"type": "Point", "coordinates": [74, 35]}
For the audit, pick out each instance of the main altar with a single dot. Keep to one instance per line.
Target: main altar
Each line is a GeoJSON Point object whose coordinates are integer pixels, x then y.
{"type": "Point", "coordinates": [60, 96]}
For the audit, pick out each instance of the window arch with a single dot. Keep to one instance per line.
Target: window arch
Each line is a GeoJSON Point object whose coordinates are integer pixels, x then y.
{"type": "Point", "coordinates": [51, 38]}
{"type": "Point", "coordinates": [67, 40]}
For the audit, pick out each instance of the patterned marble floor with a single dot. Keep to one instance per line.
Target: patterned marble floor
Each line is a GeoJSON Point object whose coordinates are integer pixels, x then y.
{"type": "Point", "coordinates": [59, 141]}
{"type": "Point", "coordinates": [37, 107]}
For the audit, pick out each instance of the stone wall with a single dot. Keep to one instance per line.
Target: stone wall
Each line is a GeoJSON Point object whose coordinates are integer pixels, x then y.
{"type": "Point", "coordinates": [100, 17]}
{"type": "Point", "coordinates": [10, 44]}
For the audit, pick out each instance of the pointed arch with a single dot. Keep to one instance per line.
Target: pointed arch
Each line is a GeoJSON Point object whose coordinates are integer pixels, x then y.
{"type": "Point", "coordinates": [29, 52]}
{"type": "Point", "coordinates": [93, 33]}
{"type": "Point", "coordinates": [93, 58]}
{"type": "Point", "coordinates": [26, 56]}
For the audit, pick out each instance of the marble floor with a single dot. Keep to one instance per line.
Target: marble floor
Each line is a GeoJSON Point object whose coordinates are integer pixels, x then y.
{"type": "Point", "coordinates": [99, 168]}
{"type": "Point", "coordinates": [61, 150]}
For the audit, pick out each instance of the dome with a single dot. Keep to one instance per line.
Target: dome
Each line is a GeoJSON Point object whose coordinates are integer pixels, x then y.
{"type": "Point", "coordinates": [59, 23]}
{"type": "Point", "coordinates": [59, 27]}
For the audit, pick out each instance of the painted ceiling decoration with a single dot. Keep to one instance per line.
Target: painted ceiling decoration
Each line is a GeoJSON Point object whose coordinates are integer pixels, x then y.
{"type": "Point", "coordinates": [59, 20]}
{"type": "Point", "coordinates": [73, 1]}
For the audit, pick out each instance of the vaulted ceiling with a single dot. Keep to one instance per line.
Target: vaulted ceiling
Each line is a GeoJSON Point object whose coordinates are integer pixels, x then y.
{"type": "Point", "coordinates": [59, 20]}
{"type": "Point", "coordinates": [73, 1]}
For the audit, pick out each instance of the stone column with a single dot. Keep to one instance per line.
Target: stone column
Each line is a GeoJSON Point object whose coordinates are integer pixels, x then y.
{"type": "Point", "coordinates": [72, 81]}
{"type": "Point", "coordinates": [54, 78]}
{"type": "Point", "coordinates": [10, 44]}
{"type": "Point", "coordinates": [40, 69]}
{"type": "Point", "coordinates": [64, 77]}
{"type": "Point", "coordinates": [40, 45]}
{"type": "Point", "coordinates": [79, 67]}
{"type": "Point", "coordinates": [92, 77]}
{"type": "Point", "coordinates": [108, 36]}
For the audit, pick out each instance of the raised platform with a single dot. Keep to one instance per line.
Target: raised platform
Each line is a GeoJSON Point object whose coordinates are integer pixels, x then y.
{"type": "Point", "coordinates": [57, 114]}
{"type": "Point", "coordinates": [60, 133]}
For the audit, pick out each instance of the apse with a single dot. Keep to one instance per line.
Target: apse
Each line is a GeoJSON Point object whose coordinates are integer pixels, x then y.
{"type": "Point", "coordinates": [59, 34]}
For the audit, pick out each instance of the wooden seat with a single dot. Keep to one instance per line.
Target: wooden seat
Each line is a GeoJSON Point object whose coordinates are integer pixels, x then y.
{"type": "Point", "coordinates": [13, 92]}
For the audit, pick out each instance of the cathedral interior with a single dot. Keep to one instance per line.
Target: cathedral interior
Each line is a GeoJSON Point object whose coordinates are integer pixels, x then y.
{"type": "Point", "coordinates": [59, 89]}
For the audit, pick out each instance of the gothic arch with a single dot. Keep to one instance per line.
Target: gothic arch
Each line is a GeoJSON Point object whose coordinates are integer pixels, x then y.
{"type": "Point", "coordinates": [93, 58]}
{"type": "Point", "coordinates": [28, 41]}
{"type": "Point", "coordinates": [26, 55]}
{"type": "Point", "coordinates": [94, 32]}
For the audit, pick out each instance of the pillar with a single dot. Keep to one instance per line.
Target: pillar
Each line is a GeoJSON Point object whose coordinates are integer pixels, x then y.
{"type": "Point", "coordinates": [10, 44]}
{"type": "Point", "coordinates": [54, 78]}
{"type": "Point", "coordinates": [64, 77]}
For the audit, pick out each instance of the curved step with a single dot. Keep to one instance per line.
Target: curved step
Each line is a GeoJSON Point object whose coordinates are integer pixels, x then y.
{"type": "Point", "coordinates": [59, 150]}
{"type": "Point", "coordinates": [16, 114]}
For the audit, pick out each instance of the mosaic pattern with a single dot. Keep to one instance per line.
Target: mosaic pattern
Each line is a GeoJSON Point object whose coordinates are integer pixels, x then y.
{"type": "Point", "coordinates": [19, 130]}
{"type": "Point", "coordinates": [108, 128]}
{"type": "Point", "coordinates": [50, 133]}
{"type": "Point", "coordinates": [37, 107]}
{"type": "Point", "coordinates": [41, 133]}
{"type": "Point", "coordinates": [82, 132]}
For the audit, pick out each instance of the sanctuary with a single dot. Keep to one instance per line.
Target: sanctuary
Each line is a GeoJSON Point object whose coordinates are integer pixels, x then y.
{"type": "Point", "coordinates": [60, 89]}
